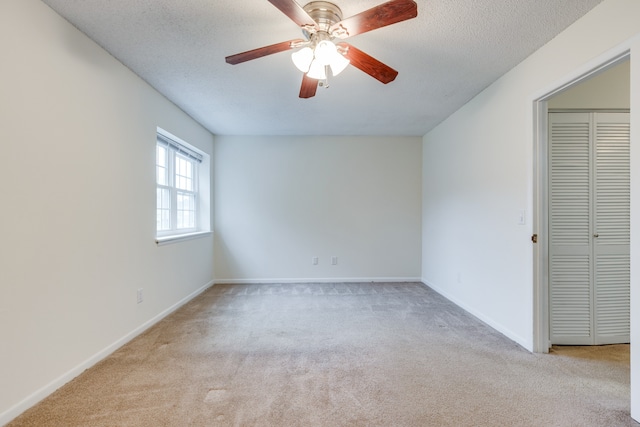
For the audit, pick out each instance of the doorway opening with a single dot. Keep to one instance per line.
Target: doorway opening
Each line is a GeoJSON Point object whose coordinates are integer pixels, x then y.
{"type": "Point", "coordinates": [590, 90]}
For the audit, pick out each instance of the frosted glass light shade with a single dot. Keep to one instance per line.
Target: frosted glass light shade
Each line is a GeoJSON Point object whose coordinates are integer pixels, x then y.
{"type": "Point", "coordinates": [302, 59]}
{"type": "Point", "coordinates": [325, 52]}
{"type": "Point", "coordinates": [338, 63]}
{"type": "Point", "coordinates": [316, 70]}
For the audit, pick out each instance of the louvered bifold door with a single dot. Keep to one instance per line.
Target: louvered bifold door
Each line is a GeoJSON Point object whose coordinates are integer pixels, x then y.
{"type": "Point", "coordinates": [570, 266]}
{"type": "Point", "coordinates": [611, 228]}
{"type": "Point", "coordinates": [589, 228]}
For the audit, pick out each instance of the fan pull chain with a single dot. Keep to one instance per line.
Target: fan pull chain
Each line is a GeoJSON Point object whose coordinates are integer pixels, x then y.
{"type": "Point", "coordinates": [325, 83]}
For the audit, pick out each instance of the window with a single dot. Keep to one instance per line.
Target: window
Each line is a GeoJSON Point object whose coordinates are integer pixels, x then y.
{"type": "Point", "coordinates": [178, 204]}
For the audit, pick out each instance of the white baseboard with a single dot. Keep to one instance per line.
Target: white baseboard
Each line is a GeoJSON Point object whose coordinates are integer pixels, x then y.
{"type": "Point", "coordinates": [319, 280]}
{"type": "Point", "coordinates": [40, 394]}
{"type": "Point", "coordinates": [497, 326]}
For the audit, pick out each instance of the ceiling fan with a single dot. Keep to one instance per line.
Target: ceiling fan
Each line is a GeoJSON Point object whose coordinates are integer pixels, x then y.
{"type": "Point", "coordinates": [321, 22]}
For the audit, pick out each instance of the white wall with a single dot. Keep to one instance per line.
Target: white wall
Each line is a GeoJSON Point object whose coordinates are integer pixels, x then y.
{"type": "Point", "coordinates": [609, 89]}
{"type": "Point", "coordinates": [78, 205]}
{"type": "Point", "coordinates": [474, 251]}
{"type": "Point", "coordinates": [279, 201]}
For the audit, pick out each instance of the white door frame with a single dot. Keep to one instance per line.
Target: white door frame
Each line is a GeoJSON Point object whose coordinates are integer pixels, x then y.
{"type": "Point", "coordinates": [541, 342]}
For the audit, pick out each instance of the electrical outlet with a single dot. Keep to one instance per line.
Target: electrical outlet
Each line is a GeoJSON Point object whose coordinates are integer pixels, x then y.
{"type": "Point", "coordinates": [140, 296]}
{"type": "Point", "coordinates": [334, 260]}
{"type": "Point", "coordinates": [314, 260]}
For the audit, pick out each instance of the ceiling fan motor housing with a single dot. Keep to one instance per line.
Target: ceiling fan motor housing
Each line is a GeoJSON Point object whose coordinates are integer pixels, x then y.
{"type": "Point", "coordinates": [325, 14]}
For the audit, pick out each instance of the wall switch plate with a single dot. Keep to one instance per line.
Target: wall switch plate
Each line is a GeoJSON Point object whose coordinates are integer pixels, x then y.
{"type": "Point", "coordinates": [334, 260]}
{"type": "Point", "coordinates": [140, 296]}
{"type": "Point", "coordinates": [522, 217]}
{"type": "Point", "coordinates": [314, 260]}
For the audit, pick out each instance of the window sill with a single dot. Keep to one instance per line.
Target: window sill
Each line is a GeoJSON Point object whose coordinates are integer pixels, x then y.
{"type": "Point", "coordinates": [165, 240]}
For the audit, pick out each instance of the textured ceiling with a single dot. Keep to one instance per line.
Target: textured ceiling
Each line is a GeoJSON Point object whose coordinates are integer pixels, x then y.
{"type": "Point", "coordinates": [445, 56]}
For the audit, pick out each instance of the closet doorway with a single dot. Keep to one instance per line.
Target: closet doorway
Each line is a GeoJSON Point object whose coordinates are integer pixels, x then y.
{"type": "Point", "coordinates": [580, 117]}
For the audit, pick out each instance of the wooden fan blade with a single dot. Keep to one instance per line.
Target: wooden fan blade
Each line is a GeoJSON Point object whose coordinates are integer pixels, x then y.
{"type": "Point", "coordinates": [309, 87]}
{"type": "Point", "coordinates": [369, 64]}
{"type": "Point", "coordinates": [295, 12]}
{"type": "Point", "coordinates": [262, 51]}
{"type": "Point", "coordinates": [380, 16]}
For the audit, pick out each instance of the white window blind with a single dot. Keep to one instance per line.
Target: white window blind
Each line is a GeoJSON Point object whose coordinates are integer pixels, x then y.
{"type": "Point", "coordinates": [179, 147]}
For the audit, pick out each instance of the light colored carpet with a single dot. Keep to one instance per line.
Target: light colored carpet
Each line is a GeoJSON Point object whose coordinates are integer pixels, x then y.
{"type": "Point", "coordinates": [342, 354]}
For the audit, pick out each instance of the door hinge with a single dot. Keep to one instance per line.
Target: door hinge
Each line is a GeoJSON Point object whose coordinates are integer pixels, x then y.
{"type": "Point", "coordinates": [534, 238]}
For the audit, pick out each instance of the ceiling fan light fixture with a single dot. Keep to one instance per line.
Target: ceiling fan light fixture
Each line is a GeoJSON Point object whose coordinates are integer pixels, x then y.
{"type": "Point", "coordinates": [302, 59]}
{"type": "Point", "coordinates": [314, 62]}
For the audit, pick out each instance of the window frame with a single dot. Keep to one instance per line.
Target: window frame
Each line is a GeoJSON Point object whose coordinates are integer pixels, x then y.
{"type": "Point", "coordinates": [176, 152]}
